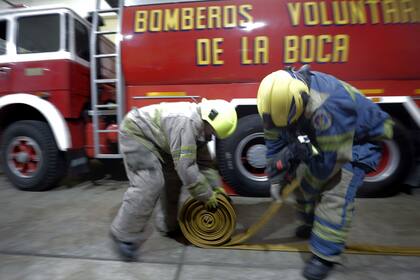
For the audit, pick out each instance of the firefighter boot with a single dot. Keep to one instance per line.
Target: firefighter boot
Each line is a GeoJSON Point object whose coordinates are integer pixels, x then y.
{"type": "Point", "coordinates": [303, 231]}
{"type": "Point", "coordinates": [126, 250]}
{"type": "Point", "coordinates": [317, 268]}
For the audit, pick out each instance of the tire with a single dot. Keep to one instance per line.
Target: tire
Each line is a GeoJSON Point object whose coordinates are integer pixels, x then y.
{"type": "Point", "coordinates": [241, 158]}
{"type": "Point", "coordinates": [30, 157]}
{"type": "Point", "coordinates": [396, 163]}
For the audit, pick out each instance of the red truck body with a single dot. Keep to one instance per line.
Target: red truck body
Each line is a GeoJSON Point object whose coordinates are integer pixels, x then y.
{"type": "Point", "coordinates": [237, 43]}
{"type": "Point", "coordinates": [214, 49]}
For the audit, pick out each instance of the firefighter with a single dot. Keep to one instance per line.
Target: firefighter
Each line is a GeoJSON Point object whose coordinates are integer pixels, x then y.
{"type": "Point", "coordinates": [323, 132]}
{"type": "Point", "coordinates": [164, 146]}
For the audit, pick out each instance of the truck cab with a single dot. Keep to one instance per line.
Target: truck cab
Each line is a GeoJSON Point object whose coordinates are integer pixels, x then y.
{"type": "Point", "coordinates": [44, 93]}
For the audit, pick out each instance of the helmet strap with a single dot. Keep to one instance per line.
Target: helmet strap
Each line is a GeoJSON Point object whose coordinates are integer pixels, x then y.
{"type": "Point", "coordinates": [305, 98]}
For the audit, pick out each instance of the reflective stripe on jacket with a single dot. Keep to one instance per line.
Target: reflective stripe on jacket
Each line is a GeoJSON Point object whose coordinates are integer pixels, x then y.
{"type": "Point", "coordinates": [176, 129]}
{"type": "Point", "coordinates": [340, 122]}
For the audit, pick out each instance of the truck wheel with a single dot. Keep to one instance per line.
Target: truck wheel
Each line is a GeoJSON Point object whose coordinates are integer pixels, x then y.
{"type": "Point", "coordinates": [30, 157]}
{"type": "Point", "coordinates": [395, 164]}
{"type": "Point", "coordinates": [242, 160]}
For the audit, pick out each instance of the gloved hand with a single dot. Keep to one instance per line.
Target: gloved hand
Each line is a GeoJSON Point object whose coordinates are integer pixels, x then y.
{"type": "Point", "coordinates": [278, 183]}
{"type": "Point", "coordinates": [221, 190]}
{"type": "Point", "coordinates": [275, 190]}
{"type": "Point", "coordinates": [281, 169]}
{"type": "Point", "coordinates": [279, 164]}
{"type": "Point", "coordinates": [211, 203]}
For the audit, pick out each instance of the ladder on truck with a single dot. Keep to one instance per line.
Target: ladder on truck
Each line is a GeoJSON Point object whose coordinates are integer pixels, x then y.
{"type": "Point", "coordinates": [97, 82]}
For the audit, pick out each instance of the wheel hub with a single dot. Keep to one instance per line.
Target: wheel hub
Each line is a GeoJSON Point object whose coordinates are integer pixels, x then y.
{"type": "Point", "coordinates": [250, 157]}
{"type": "Point", "coordinates": [24, 156]}
{"type": "Point", "coordinates": [256, 156]}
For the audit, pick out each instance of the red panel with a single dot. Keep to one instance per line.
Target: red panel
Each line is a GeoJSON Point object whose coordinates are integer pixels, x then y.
{"type": "Point", "coordinates": [61, 99]}
{"type": "Point", "coordinates": [376, 51]}
{"type": "Point", "coordinates": [77, 132]}
{"type": "Point", "coordinates": [249, 90]}
{"type": "Point", "coordinates": [45, 75]}
{"type": "Point", "coordinates": [215, 91]}
{"type": "Point", "coordinates": [80, 88]}
{"type": "Point", "coordinates": [66, 83]}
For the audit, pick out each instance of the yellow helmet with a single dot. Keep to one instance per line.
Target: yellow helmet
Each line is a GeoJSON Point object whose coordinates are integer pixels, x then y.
{"type": "Point", "coordinates": [279, 97]}
{"type": "Point", "coordinates": [221, 115]}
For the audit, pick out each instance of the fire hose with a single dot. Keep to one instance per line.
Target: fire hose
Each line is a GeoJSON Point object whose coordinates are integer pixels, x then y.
{"type": "Point", "coordinates": [216, 229]}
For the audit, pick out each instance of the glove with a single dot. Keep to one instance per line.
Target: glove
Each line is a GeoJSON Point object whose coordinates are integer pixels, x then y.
{"type": "Point", "coordinates": [279, 164]}
{"type": "Point", "coordinates": [278, 183]}
{"type": "Point", "coordinates": [275, 190]}
{"type": "Point", "coordinates": [211, 203]}
{"type": "Point", "coordinates": [281, 170]}
{"type": "Point", "coordinates": [221, 190]}
{"type": "Point", "coordinates": [302, 151]}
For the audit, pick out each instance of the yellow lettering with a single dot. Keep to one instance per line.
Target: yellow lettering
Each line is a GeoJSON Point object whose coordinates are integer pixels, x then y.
{"type": "Point", "coordinates": [171, 19]}
{"type": "Point", "coordinates": [245, 60]}
{"type": "Point", "coordinates": [341, 15]}
{"type": "Point", "coordinates": [244, 12]}
{"type": "Point", "coordinates": [199, 17]}
{"type": "Point", "coordinates": [417, 4]}
{"type": "Point", "coordinates": [155, 21]}
{"type": "Point", "coordinates": [408, 11]}
{"type": "Point", "coordinates": [140, 21]}
{"type": "Point", "coordinates": [324, 14]}
{"type": "Point", "coordinates": [187, 18]}
{"type": "Point", "coordinates": [311, 13]}
{"type": "Point", "coordinates": [217, 51]}
{"type": "Point", "coordinates": [390, 11]}
{"type": "Point", "coordinates": [203, 52]}
{"type": "Point", "coordinates": [341, 48]}
{"type": "Point", "coordinates": [261, 50]}
{"type": "Point", "coordinates": [294, 12]}
{"type": "Point", "coordinates": [418, 11]}
{"type": "Point", "coordinates": [358, 12]}
{"type": "Point", "coordinates": [374, 14]}
{"type": "Point", "coordinates": [322, 40]}
{"type": "Point", "coordinates": [322, 48]}
{"type": "Point", "coordinates": [230, 18]}
{"type": "Point", "coordinates": [308, 49]}
{"type": "Point", "coordinates": [214, 17]}
{"type": "Point", "coordinates": [291, 48]}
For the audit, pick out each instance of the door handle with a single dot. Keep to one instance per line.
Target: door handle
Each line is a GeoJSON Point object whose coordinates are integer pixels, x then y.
{"type": "Point", "coordinates": [5, 69]}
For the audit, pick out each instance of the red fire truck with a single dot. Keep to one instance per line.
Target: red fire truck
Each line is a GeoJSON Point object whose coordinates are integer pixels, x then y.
{"type": "Point", "coordinates": [64, 87]}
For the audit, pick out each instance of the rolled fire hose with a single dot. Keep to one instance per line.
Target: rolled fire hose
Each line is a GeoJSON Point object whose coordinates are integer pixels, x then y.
{"type": "Point", "coordinates": [215, 229]}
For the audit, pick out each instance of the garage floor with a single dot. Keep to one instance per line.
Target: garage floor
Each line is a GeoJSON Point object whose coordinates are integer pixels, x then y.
{"type": "Point", "coordinates": [63, 234]}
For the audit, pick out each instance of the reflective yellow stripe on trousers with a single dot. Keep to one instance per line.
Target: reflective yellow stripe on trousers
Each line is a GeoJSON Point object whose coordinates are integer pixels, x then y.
{"type": "Point", "coordinates": [216, 230]}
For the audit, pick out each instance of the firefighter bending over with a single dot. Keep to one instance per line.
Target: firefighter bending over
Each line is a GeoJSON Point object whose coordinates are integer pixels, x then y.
{"type": "Point", "coordinates": [343, 127]}
{"type": "Point", "coordinates": [164, 146]}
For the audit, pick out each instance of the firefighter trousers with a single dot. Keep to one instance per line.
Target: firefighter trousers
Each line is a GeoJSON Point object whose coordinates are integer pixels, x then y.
{"type": "Point", "coordinates": [151, 183]}
{"type": "Point", "coordinates": [329, 210]}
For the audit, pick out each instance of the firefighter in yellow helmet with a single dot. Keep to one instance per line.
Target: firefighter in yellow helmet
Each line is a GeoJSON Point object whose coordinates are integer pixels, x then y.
{"type": "Point", "coordinates": [164, 146]}
{"type": "Point", "coordinates": [321, 131]}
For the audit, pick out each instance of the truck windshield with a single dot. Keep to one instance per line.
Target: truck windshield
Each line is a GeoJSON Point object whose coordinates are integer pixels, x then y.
{"type": "Point", "coordinates": [37, 34]}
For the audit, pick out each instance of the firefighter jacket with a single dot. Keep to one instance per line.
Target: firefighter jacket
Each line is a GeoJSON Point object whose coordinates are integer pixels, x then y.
{"type": "Point", "coordinates": [176, 129]}
{"type": "Point", "coordinates": [341, 123]}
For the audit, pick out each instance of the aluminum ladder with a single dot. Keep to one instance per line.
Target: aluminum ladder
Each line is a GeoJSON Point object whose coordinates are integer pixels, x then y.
{"type": "Point", "coordinates": [116, 109]}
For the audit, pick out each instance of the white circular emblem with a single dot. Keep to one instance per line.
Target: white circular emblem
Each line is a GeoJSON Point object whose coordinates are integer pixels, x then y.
{"type": "Point", "coordinates": [321, 120]}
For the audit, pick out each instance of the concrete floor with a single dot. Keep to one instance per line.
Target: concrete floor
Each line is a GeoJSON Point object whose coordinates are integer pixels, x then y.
{"type": "Point", "coordinates": [63, 234]}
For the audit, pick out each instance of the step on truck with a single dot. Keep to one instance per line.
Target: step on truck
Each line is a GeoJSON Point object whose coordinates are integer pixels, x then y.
{"type": "Point", "coordinates": [65, 86]}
